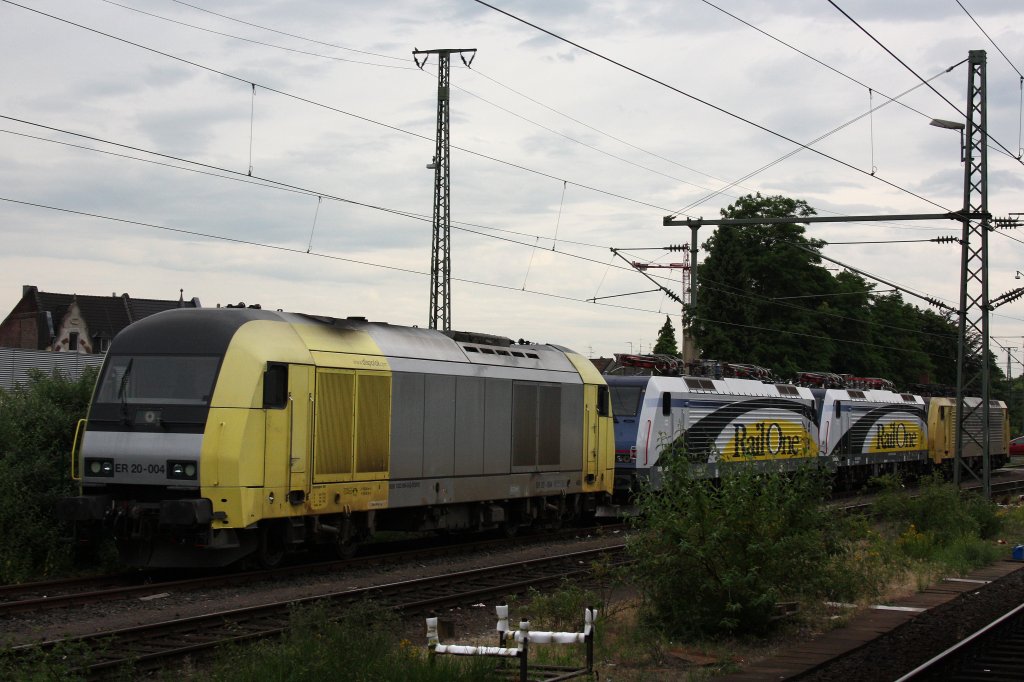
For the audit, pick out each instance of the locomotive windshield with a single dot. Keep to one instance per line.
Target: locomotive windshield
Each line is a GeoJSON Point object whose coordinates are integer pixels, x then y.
{"type": "Point", "coordinates": [626, 400]}
{"type": "Point", "coordinates": [158, 379]}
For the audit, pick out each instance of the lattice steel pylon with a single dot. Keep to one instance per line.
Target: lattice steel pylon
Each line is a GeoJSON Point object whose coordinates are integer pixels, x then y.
{"type": "Point", "coordinates": [440, 247]}
{"type": "Point", "coordinates": [972, 374]}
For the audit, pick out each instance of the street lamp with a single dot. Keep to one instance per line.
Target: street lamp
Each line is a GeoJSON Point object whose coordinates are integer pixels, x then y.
{"type": "Point", "coordinates": [952, 125]}
{"type": "Point", "coordinates": [1018, 275]}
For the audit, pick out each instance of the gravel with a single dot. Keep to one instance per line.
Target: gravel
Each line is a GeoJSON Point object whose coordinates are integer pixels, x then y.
{"type": "Point", "coordinates": [903, 649]}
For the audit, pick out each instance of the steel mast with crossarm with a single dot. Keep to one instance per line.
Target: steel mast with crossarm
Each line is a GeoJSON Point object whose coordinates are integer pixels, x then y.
{"type": "Point", "coordinates": [440, 247]}
{"type": "Point", "coordinates": [972, 365]}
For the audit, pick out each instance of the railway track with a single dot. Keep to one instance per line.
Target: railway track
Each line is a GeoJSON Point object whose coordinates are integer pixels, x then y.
{"type": "Point", "coordinates": [54, 594]}
{"type": "Point", "coordinates": [992, 653]}
{"type": "Point", "coordinates": [149, 647]}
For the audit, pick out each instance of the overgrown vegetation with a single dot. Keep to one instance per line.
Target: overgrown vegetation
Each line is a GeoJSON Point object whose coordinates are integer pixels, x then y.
{"type": "Point", "coordinates": [716, 557]}
{"type": "Point", "coordinates": [39, 665]}
{"type": "Point", "coordinates": [357, 646]}
{"type": "Point", "coordinates": [939, 529]}
{"type": "Point", "coordinates": [37, 427]}
{"type": "Point", "coordinates": [720, 559]}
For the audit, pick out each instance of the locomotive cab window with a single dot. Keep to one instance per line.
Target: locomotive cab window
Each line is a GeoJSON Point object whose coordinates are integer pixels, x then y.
{"type": "Point", "coordinates": [275, 385]}
{"type": "Point", "coordinates": [626, 400]}
{"type": "Point", "coordinates": [602, 401]}
{"type": "Point", "coordinates": [158, 380]}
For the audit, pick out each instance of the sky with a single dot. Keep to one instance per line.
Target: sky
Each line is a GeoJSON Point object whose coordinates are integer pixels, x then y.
{"type": "Point", "coordinates": [275, 152]}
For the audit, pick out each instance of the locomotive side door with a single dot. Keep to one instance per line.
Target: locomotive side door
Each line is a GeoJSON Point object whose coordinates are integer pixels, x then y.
{"type": "Point", "coordinates": [300, 389]}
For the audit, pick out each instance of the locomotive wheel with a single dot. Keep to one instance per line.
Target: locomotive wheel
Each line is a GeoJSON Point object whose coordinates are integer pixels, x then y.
{"type": "Point", "coordinates": [270, 550]}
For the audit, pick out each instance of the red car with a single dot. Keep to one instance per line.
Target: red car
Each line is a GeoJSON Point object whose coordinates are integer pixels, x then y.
{"type": "Point", "coordinates": [1017, 447]}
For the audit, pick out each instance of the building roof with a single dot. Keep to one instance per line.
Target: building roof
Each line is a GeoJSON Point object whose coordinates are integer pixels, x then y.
{"type": "Point", "coordinates": [104, 315]}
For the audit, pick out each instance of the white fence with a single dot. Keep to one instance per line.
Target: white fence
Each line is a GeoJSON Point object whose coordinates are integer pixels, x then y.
{"type": "Point", "coordinates": [521, 651]}
{"type": "Point", "coordinates": [15, 364]}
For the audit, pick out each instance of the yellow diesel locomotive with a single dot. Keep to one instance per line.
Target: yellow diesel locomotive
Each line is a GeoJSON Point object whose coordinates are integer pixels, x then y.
{"type": "Point", "coordinates": [219, 434]}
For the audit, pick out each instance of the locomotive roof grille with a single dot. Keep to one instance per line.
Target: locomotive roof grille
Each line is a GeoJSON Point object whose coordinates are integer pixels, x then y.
{"type": "Point", "coordinates": [697, 384]}
{"type": "Point", "coordinates": [856, 395]}
{"type": "Point", "coordinates": [786, 389]}
{"type": "Point", "coordinates": [493, 351]}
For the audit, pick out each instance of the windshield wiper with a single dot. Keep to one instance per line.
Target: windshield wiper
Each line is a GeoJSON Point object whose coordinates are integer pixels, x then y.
{"type": "Point", "coordinates": [121, 390]}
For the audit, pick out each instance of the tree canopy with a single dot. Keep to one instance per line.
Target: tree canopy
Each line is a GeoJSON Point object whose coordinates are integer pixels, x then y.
{"type": "Point", "coordinates": [764, 297]}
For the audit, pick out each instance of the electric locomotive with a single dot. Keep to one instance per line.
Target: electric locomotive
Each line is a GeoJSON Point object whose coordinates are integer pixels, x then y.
{"type": "Point", "coordinates": [707, 423]}
{"type": "Point", "coordinates": [219, 434]}
{"type": "Point", "coordinates": [868, 433]}
{"type": "Point", "coordinates": [855, 433]}
{"type": "Point", "coordinates": [942, 429]}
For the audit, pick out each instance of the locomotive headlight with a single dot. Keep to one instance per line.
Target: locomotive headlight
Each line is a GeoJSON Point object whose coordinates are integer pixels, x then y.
{"type": "Point", "coordinates": [95, 466]}
{"type": "Point", "coordinates": [182, 470]}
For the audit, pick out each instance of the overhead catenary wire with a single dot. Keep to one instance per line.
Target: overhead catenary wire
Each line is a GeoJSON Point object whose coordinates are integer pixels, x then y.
{"type": "Point", "coordinates": [790, 332]}
{"type": "Point", "coordinates": [403, 67]}
{"type": "Point", "coordinates": [456, 87]}
{"type": "Point", "coordinates": [704, 102]}
{"type": "Point", "coordinates": [235, 176]}
{"type": "Point", "coordinates": [408, 270]}
{"type": "Point", "coordinates": [812, 58]}
{"type": "Point", "coordinates": [274, 184]}
{"type": "Point", "coordinates": [594, 148]}
{"type": "Point", "coordinates": [730, 290]}
{"type": "Point", "coordinates": [461, 89]}
{"type": "Point", "coordinates": [277, 185]}
{"type": "Point", "coordinates": [539, 103]}
{"type": "Point", "coordinates": [253, 85]}
{"type": "Point", "coordinates": [335, 109]}
{"type": "Point", "coordinates": [319, 200]}
{"type": "Point", "coordinates": [252, 119]}
{"type": "Point", "coordinates": [277, 247]}
{"type": "Point", "coordinates": [1012, 65]}
{"type": "Point", "coordinates": [292, 35]}
{"type": "Point", "coordinates": [1020, 114]}
{"type": "Point", "coordinates": [988, 135]}
{"type": "Point", "coordinates": [796, 151]}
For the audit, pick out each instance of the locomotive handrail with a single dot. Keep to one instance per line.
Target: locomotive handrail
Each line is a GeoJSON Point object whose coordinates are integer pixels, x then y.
{"type": "Point", "coordinates": [74, 450]}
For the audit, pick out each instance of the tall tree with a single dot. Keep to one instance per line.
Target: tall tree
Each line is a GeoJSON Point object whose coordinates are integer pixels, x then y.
{"type": "Point", "coordinates": [764, 297]}
{"type": "Point", "coordinates": [759, 288]}
{"type": "Point", "coordinates": [666, 344]}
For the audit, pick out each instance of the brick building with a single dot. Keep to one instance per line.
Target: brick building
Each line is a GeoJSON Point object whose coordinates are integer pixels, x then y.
{"type": "Point", "coordinates": [76, 323]}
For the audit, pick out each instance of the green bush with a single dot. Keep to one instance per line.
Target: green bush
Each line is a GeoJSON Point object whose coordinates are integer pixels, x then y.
{"type": "Point", "coordinates": [37, 427]}
{"type": "Point", "coordinates": [716, 557]}
{"type": "Point", "coordinates": [940, 524]}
